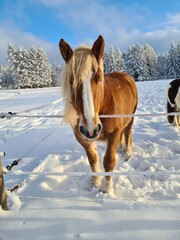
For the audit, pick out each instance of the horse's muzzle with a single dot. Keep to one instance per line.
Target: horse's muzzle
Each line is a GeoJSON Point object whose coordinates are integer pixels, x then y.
{"type": "Point", "coordinates": [92, 135]}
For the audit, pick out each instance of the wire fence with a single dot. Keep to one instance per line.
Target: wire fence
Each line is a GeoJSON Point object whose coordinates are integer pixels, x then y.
{"type": "Point", "coordinates": [104, 174]}
{"type": "Point", "coordinates": [10, 115]}
{"type": "Point", "coordinates": [14, 115]}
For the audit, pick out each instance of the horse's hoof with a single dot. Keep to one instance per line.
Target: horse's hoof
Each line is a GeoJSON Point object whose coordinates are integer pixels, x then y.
{"type": "Point", "coordinates": [107, 186]}
{"type": "Point", "coordinates": [126, 157]}
{"type": "Point", "coordinates": [104, 190]}
{"type": "Point", "coordinates": [96, 182]}
{"type": "Point", "coordinates": [107, 190]}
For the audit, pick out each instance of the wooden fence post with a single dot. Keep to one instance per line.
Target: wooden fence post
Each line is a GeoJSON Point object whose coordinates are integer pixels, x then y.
{"type": "Point", "coordinates": [3, 201]}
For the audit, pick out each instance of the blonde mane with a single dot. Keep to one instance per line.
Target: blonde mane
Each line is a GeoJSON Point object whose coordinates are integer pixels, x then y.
{"type": "Point", "coordinates": [79, 66]}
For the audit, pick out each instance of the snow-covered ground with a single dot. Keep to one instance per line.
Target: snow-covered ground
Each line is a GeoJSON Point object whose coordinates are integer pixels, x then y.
{"type": "Point", "coordinates": [55, 202]}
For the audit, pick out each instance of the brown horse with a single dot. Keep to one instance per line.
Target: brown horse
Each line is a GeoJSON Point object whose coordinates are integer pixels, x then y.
{"type": "Point", "coordinates": [173, 101]}
{"type": "Point", "coordinates": [88, 94]}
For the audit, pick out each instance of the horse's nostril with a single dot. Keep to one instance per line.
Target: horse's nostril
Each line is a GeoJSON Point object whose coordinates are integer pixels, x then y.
{"type": "Point", "coordinates": [99, 127]}
{"type": "Point", "coordinates": [97, 130]}
{"type": "Point", "coordinates": [81, 128]}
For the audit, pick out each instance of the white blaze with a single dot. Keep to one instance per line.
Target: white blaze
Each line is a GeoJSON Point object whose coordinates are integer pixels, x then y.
{"type": "Point", "coordinates": [88, 104]}
{"type": "Point", "coordinates": [172, 105]}
{"type": "Point", "coordinates": [177, 99]}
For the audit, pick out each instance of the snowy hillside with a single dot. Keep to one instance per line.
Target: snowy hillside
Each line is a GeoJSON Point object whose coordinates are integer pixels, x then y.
{"type": "Point", "coordinates": [55, 200]}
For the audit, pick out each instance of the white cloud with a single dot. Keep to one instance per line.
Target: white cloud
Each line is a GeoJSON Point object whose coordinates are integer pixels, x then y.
{"type": "Point", "coordinates": [173, 19]}
{"type": "Point", "coordinates": [120, 27]}
{"type": "Point", "coordinates": [162, 39]}
{"type": "Point", "coordinates": [11, 34]}
{"type": "Point", "coordinates": [95, 18]}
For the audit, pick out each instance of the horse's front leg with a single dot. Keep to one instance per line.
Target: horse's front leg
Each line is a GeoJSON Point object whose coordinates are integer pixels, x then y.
{"type": "Point", "coordinates": [92, 155]}
{"type": "Point", "coordinates": [110, 160]}
{"type": "Point", "coordinates": [94, 163]}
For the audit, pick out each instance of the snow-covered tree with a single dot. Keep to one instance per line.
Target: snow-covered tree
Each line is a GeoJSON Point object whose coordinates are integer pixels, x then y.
{"type": "Point", "coordinates": [172, 63]}
{"type": "Point", "coordinates": [141, 62]}
{"type": "Point", "coordinates": [32, 60]}
{"type": "Point", "coordinates": [135, 63]}
{"type": "Point", "coordinates": [21, 73]}
{"type": "Point", "coordinates": [150, 61]}
{"type": "Point", "coordinates": [43, 69]}
{"type": "Point", "coordinates": [119, 64]}
{"type": "Point", "coordinates": [39, 73]}
{"type": "Point", "coordinates": [55, 74]}
{"type": "Point", "coordinates": [6, 79]}
{"type": "Point", "coordinates": [12, 59]}
{"type": "Point", "coordinates": [113, 61]}
{"type": "Point", "coordinates": [161, 66]}
{"type": "Point", "coordinates": [106, 62]}
{"type": "Point", "coordinates": [29, 68]}
{"type": "Point", "coordinates": [111, 65]}
{"type": "Point", "coordinates": [129, 60]}
{"type": "Point", "coordinates": [18, 61]}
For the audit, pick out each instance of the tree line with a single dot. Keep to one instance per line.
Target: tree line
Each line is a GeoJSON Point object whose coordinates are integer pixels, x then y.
{"type": "Point", "coordinates": [31, 68]}
{"type": "Point", "coordinates": [142, 63]}
{"type": "Point", "coordinates": [28, 69]}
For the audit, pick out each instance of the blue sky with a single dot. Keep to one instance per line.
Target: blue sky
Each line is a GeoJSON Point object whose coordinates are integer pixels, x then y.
{"type": "Point", "coordinates": [122, 23]}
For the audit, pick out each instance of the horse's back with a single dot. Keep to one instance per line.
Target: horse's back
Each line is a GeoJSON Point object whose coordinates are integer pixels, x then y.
{"type": "Point", "coordinates": [119, 76]}
{"type": "Point", "coordinates": [121, 79]}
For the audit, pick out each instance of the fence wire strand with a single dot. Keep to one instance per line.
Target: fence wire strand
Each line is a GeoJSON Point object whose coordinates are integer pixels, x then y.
{"type": "Point", "coordinates": [11, 115]}
{"type": "Point", "coordinates": [89, 174]}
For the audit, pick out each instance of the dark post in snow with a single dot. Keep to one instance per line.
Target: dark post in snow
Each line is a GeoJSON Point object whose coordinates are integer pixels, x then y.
{"type": "Point", "coordinates": [3, 201]}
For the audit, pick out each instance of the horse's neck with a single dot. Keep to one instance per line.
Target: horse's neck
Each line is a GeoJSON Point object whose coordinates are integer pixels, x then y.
{"type": "Point", "coordinates": [108, 96]}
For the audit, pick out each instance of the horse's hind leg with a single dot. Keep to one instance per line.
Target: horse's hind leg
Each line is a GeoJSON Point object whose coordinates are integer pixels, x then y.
{"type": "Point", "coordinates": [126, 141]}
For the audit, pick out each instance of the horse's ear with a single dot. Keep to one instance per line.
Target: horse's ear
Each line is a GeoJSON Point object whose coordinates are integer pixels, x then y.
{"type": "Point", "coordinates": [98, 48]}
{"type": "Point", "coordinates": [65, 50]}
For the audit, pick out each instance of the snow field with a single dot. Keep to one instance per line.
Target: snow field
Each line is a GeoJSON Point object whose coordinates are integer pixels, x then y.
{"type": "Point", "coordinates": [51, 206]}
